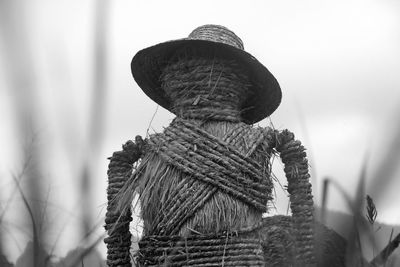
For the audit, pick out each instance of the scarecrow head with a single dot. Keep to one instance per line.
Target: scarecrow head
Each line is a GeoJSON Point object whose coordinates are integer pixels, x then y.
{"type": "Point", "coordinates": [207, 76]}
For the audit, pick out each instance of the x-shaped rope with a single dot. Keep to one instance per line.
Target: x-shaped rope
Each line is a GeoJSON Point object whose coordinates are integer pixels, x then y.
{"type": "Point", "coordinates": [213, 164]}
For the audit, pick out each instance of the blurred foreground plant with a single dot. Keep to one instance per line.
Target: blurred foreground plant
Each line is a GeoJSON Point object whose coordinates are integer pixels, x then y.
{"type": "Point", "coordinates": [354, 253]}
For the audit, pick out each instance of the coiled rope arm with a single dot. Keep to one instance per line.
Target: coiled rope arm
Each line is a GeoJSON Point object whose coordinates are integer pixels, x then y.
{"type": "Point", "coordinates": [117, 221]}
{"type": "Point", "coordinates": [293, 155]}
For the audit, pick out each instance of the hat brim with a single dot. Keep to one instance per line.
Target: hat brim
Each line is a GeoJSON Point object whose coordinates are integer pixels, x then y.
{"type": "Point", "coordinates": [265, 93]}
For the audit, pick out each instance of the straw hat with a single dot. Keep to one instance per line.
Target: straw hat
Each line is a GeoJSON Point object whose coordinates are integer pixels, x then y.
{"type": "Point", "coordinates": [209, 41]}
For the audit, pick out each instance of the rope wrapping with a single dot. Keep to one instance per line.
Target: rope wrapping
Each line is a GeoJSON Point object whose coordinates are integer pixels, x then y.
{"type": "Point", "coordinates": [214, 165]}
{"type": "Point", "coordinates": [207, 250]}
{"type": "Point", "coordinates": [206, 89]}
{"type": "Point", "coordinates": [293, 155]}
{"type": "Point", "coordinates": [117, 222]}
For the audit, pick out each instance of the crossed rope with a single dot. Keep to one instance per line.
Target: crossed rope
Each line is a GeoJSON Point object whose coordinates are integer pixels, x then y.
{"type": "Point", "coordinates": [213, 165]}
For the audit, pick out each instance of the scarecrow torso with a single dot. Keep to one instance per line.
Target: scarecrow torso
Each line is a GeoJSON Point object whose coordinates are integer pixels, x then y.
{"type": "Point", "coordinates": [191, 180]}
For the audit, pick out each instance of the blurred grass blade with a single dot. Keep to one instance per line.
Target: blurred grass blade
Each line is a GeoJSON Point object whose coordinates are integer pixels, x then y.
{"type": "Point", "coordinates": [310, 154]}
{"type": "Point", "coordinates": [387, 171]}
{"type": "Point", "coordinates": [96, 116]}
{"type": "Point", "coordinates": [354, 255]}
{"type": "Point", "coordinates": [36, 239]}
{"type": "Point", "coordinates": [354, 249]}
{"type": "Point", "coordinates": [386, 252]}
{"type": "Point", "coordinates": [324, 201]}
{"type": "Point", "coordinates": [79, 259]}
{"type": "Point", "coordinates": [15, 16]}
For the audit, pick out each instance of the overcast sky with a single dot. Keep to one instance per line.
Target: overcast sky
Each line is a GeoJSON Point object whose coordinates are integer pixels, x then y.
{"type": "Point", "coordinates": [337, 62]}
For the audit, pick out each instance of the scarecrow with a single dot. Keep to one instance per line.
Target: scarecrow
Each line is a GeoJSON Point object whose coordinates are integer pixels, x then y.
{"type": "Point", "coordinates": [205, 182]}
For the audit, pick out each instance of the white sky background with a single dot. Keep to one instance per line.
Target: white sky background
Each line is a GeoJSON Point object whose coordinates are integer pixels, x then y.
{"type": "Point", "coordinates": [337, 62]}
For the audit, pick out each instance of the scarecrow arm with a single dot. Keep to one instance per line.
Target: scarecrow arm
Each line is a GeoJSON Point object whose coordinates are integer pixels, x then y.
{"type": "Point", "coordinates": [293, 155]}
{"type": "Point", "coordinates": [117, 221]}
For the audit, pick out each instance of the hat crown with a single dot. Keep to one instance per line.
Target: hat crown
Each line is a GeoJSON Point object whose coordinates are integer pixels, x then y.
{"type": "Point", "coordinates": [218, 34]}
